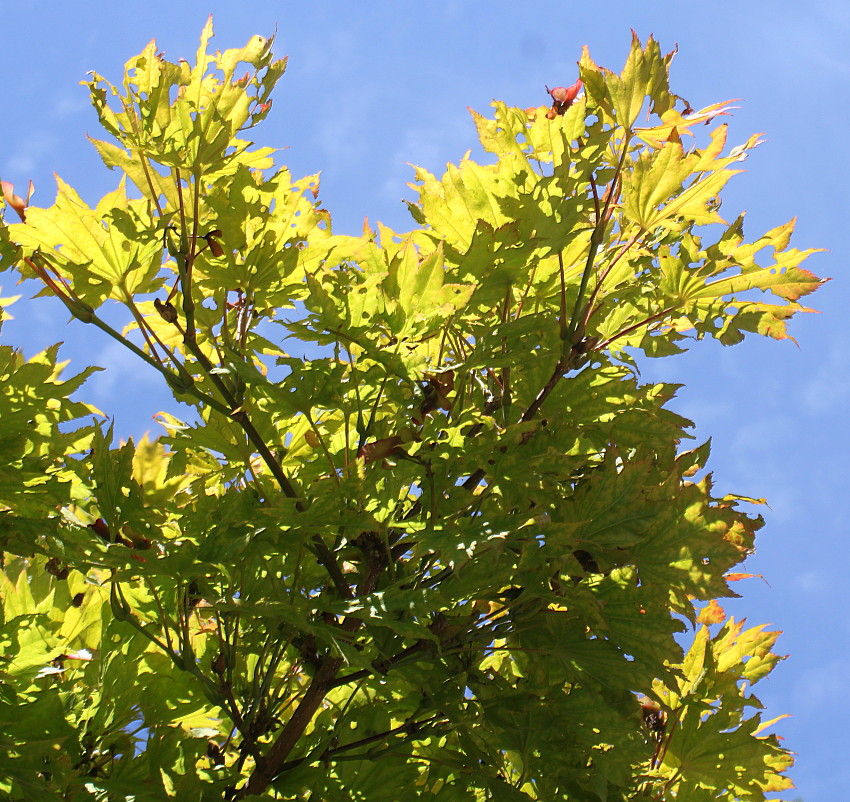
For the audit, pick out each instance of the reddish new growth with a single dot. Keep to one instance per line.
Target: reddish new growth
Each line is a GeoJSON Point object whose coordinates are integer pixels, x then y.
{"type": "Point", "coordinates": [18, 203]}
{"type": "Point", "coordinates": [562, 98]}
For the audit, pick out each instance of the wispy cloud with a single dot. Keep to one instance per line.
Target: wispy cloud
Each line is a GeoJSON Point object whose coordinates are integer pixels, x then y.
{"type": "Point", "coordinates": [28, 154]}
{"type": "Point", "coordinates": [828, 387]}
{"type": "Point", "coordinates": [823, 686]}
{"type": "Point", "coordinates": [423, 146]}
{"type": "Point", "coordinates": [121, 370]}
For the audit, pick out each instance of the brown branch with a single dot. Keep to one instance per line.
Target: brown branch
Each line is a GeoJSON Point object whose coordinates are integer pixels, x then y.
{"type": "Point", "coordinates": [238, 415]}
{"type": "Point", "coordinates": [595, 242]}
{"type": "Point", "coordinates": [184, 266]}
{"type": "Point", "coordinates": [323, 553]}
{"type": "Point", "coordinates": [572, 334]}
{"type": "Point", "coordinates": [270, 765]}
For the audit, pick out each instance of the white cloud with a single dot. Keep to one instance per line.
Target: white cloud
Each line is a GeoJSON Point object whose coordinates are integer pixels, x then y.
{"type": "Point", "coordinates": [68, 104]}
{"type": "Point", "coordinates": [311, 56]}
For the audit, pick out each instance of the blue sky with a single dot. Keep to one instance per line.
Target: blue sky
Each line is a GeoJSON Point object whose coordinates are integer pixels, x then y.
{"type": "Point", "coordinates": [373, 86]}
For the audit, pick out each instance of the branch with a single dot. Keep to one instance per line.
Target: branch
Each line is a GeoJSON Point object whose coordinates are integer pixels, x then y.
{"type": "Point", "coordinates": [408, 728]}
{"type": "Point", "coordinates": [595, 242]}
{"type": "Point", "coordinates": [571, 335]}
{"type": "Point", "coordinates": [589, 310]}
{"type": "Point", "coordinates": [238, 415]}
{"type": "Point", "coordinates": [382, 667]}
{"type": "Point", "coordinates": [184, 267]}
{"type": "Point", "coordinates": [270, 765]}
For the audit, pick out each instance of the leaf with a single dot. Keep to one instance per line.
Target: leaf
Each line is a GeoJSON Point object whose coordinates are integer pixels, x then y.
{"type": "Point", "coordinates": [712, 613]}
{"type": "Point", "coordinates": [623, 96]}
{"type": "Point", "coordinates": [660, 174]}
{"type": "Point", "coordinates": [466, 195]}
{"type": "Point", "coordinates": [107, 251]}
{"type": "Point", "coordinates": [149, 182]}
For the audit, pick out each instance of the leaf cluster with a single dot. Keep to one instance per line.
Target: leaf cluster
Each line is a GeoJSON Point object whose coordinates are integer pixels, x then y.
{"type": "Point", "coordinates": [453, 551]}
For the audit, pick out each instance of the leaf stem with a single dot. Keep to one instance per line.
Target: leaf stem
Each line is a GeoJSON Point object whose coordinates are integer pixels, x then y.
{"type": "Point", "coordinates": [595, 242]}
{"type": "Point", "coordinates": [634, 327]}
{"type": "Point", "coordinates": [184, 264]}
{"type": "Point", "coordinates": [605, 273]}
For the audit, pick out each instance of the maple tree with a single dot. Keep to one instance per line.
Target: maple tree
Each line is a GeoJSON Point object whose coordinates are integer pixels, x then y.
{"type": "Point", "coordinates": [455, 552]}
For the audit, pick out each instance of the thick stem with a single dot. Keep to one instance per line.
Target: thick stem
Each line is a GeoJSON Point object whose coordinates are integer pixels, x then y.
{"type": "Point", "coordinates": [589, 308]}
{"type": "Point", "coordinates": [184, 266]}
{"type": "Point", "coordinates": [595, 242]}
{"type": "Point", "coordinates": [271, 764]}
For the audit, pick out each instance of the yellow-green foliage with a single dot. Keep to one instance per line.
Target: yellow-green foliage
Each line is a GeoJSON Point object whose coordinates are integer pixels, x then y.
{"type": "Point", "coordinates": [447, 554]}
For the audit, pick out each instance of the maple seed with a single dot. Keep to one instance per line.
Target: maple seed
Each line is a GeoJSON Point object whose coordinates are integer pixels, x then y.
{"type": "Point", "coordinates": [213, 244]}
{"type": "Point", "coordinates": [379, 449]}
{"type": "Point", "coordinates": [16, 202]}
{"type": "Point", "coordinates": [563, 97]}
{"type": "Point", "coordinates": [655, 720]}
{"type": "Point", "coordinates": [219, 664]}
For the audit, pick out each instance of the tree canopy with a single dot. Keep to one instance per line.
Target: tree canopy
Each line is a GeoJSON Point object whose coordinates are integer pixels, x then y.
{"type": "Point", "coordinates": [457, 550]}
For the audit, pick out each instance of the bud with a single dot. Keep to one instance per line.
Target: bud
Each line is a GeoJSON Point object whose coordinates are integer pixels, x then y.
{"type": "Point", "coordinates": [54, 566]}
{"type": "Point", "coordinates": [166, 310]}
{"type": "Point", "coordinates": [101, 529]}
{"type": "Point", "coordinates": [213, 244]}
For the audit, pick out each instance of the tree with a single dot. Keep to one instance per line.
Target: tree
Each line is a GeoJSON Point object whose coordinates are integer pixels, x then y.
{"type": "Point", "coordinates": [459, 552]}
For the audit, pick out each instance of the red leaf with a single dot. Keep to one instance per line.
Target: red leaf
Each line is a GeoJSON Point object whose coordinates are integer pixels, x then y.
{"type": "Point", "coordinates": [101, 528]}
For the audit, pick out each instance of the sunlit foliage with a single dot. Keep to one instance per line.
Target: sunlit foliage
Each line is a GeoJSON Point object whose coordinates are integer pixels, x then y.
{"type": "Point", "coordinates": [453, 553]}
